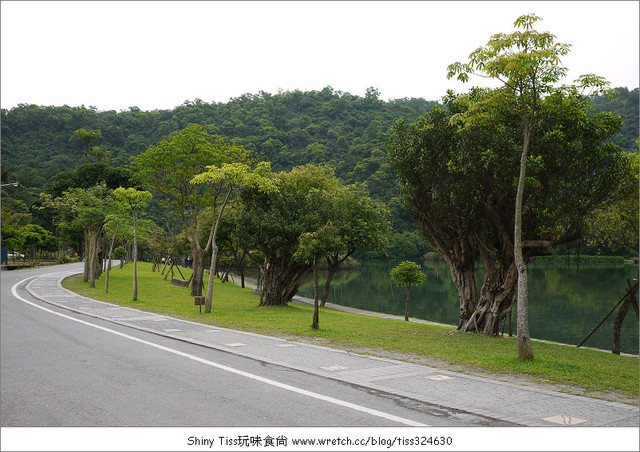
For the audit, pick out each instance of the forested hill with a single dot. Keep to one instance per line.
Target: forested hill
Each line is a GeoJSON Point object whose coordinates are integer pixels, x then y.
{"type": "Point", "coordinates": [625, 105]}
{"type": "Point", "coordinates": [291, 128]}
{"type": "Point", "coordinates": [330, 127]}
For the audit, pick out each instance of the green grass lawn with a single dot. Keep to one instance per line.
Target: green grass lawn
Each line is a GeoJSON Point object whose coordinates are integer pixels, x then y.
{"type": "Point", "coordinates": [575, 370]}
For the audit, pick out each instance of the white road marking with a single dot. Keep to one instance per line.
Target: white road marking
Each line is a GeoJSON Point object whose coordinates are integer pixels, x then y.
{"type": "Point", "coordinates": [268, 381]}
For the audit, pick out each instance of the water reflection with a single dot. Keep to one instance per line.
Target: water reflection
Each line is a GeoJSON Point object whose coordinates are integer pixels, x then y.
{"type": "Point", "coordinates": [565, 303]}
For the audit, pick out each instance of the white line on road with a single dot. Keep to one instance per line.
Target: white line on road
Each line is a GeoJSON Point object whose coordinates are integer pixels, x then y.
{"type": "Point", "coordinates": [268, 381]}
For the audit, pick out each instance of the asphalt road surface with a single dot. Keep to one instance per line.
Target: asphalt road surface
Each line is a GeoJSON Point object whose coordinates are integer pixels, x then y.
{"type": "Point", "coordinates": [61, 368]}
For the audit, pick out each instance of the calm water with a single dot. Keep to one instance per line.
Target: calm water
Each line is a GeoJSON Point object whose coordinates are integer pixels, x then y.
{"type": "Point", "coordinates": [565, 304]}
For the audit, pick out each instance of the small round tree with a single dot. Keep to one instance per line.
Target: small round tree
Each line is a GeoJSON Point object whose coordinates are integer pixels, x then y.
{"type": "Point", "coordinates": [407, 274]}
{"type": "Point", "coordinates": [120, 253]}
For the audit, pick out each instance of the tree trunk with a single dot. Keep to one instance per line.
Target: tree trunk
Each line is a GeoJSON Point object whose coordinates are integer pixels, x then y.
{"type": "Point", "coordinates": [617, 325]}
{"type": "Point", "coordinates": [87, 247]}
{"type": "Point", "coordinates": [135, 255]}
{"type": "Point", "coordinates": [106, 279]}
{"type": "Point", "coordinates": [208, 301]}
{"type": "Point", "coordinates": [214, 253]}
{"type": "Point", "coordinates": [496, 295]}
{"type": "Point", "coordinates": [463, 277]}
{"type": "Point", "coordinates": [94, 237]}
{"type": "Point", "coordinates": [281, 282]}
{"type": "Point", "coordinates": [333, 263]}
{"type": "Point", "coordinates": [198, 271]}
{"type": "Point", "coordinates": [316, 320]}
{"type": "Point", "coordinates": [327, 285]}
{"type": "Point", "coordinates": [406, 305]}
{"type": "Point", "coordinates": [525, 348]}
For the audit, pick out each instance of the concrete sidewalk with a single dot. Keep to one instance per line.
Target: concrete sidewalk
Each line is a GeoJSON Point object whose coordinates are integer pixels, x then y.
{"type": "Point", "coordinates": [510, 403]}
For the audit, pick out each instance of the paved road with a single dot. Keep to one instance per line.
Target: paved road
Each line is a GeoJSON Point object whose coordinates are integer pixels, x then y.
{"type": "Point", "coordinates": [63, 367]}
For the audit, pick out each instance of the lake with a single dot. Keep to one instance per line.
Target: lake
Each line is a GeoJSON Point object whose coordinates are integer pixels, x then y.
{"type": "Point", "coordinates": [565, 304]}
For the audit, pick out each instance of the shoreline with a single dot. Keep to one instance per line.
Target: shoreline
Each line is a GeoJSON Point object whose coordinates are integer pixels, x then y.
{"type": "Point", "coordinates": [251, 283]}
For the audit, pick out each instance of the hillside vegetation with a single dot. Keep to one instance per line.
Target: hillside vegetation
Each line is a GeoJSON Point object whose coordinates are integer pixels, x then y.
{"type": "Point", "coordinates": [347, 132]}
{"type": "Point", "coordinates": [330, 127]}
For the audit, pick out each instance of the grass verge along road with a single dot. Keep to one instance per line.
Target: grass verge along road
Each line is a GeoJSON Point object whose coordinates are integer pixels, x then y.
{"type": "Point", "coordinates": [578, 371]}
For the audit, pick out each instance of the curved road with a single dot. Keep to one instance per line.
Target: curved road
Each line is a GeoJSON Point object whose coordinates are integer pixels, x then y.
{"type": "Point", "coordinates": [61, 368]}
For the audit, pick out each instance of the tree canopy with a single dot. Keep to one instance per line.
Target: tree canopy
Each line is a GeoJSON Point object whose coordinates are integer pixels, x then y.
{"type": "Point", "coordinates": [460, 183]}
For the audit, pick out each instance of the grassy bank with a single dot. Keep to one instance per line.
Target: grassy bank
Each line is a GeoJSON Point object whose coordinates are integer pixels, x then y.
{"type": "Point", "coordinates": [575, 370]}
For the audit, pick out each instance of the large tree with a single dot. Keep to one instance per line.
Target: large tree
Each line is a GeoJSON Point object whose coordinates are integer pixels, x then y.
{"type": "Point", "coordinates": [89, 210]}
{"type": "Point", "coordinates": [168, 169]}
{"type": "Point", "coordinates": [308, 198]}
{"type": "Point", "coordinates": [312, 247]}
{"type": "Point", "coordinates": [273, 223]}
{"type": "Point", "coordinates": [361, 222]}
{"type": "Point", "coordinates": [527, 62]}
{"type": "Point", "coordinates": [460, 181]}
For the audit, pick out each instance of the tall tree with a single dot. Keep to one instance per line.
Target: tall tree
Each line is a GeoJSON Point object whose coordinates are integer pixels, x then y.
{"type": "Point", "coordinates": [168, 168]}
{"type": "Point", "coordinates": [527, 62]}
{"type": "Point", "coordinates": [458, 180]}
{"type": "Point", "coordinates": [230, 178]}
{"type": "Point", "coordinates": [312, 247]}
{"type": "Point", "coordinates": [273, 223]}
{"type": "Point", "coordinates": [89, 209]}
{"type": "Point", "coordinates": [361, 222]}
{"type": "Point", "coordinates": [88, 137]}
{"type": "Point", "coordinates": [134, 200]}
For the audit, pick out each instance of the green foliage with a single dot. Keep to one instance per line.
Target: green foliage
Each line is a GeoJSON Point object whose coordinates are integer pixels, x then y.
{"type": "Point", "coordinates": [119, 253]}
{"type": "Point", "coordinates": [88, 137]}
{"type": "Point", "coordinates": [132, 198]}
{"type": "Point", "coordinates": [37, 238]}
{"type": "Point", "coordinates": [624, 105]}
{"type": "Point", "coordinates": [287, 129]}
{"type": "Point", "coordinates": [459, 180]}
{"type": "Point", "coordinates": [88, 175]}
{"type": "Point", "coordinates": [312, 246]}
{"type": "Point", "coordinates": [408, 274]}
{"type": "Point", "coordinates": [616, 224]}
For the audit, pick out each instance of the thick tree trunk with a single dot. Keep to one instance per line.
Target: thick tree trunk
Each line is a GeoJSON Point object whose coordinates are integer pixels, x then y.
{"type": "Point", "coordinates": [94, 237]}
{"type": "Point", "coordinates": [281, 282]}
{"type": "Point", "coordinates": [462, 274]}
{"type": "Point", "coordinates": [495, 301]}
{"type": "Point", "coordinates": [198, 272]}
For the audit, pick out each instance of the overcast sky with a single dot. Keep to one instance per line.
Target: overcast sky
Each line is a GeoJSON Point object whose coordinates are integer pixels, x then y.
{"type": "Point", "coordinates": [156, 55]}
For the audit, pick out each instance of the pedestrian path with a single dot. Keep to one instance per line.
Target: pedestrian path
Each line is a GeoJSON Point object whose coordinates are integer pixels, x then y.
{"type": "Point", "coordinates": [484, 401]}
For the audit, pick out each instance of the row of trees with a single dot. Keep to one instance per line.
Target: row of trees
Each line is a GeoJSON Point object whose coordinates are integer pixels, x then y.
{"type": "Point", "coordinates": [204, 179]}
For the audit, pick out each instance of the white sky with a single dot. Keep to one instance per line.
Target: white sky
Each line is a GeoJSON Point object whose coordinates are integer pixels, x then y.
{"type": "Point", "coordinates": [156, 55]}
